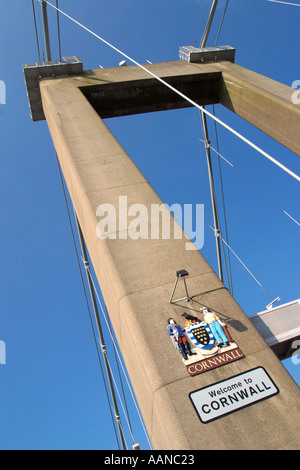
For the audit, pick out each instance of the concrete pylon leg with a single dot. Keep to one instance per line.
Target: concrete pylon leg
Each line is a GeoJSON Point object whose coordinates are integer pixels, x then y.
{"type": "Point", "coordinates": [265, 103]}
{"type": "Point", "coordinates": [136, 275]}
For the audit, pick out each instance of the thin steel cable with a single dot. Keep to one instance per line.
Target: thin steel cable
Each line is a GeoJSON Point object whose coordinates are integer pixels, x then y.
{"type": "Point", "coordinates": [240, 136]}
{"type": "Point", "coordinates": [201, 16]}
{"type": "Point", "coordinates": [58, 31]}
{"type": "Point", "coordinates": [102, 342]}
{"type": "Point", "coordinates": [244, 265]}
{"type": "Point", "coordinates": [120, 399]}
{"type": "Point", "coordinates": [36, 31]}
{"type": "Point", "coordinates": [222, 21]}
{"type": "Point", "coordinates": [285, 3]}
{"type": "Point", "coordinates": [120, 362]}
{"type": "Point", "coordinates": [120, 377]}
{"type": "Point", "coordinates": [101, 338]}
{"type": "Point", "coordinates": [254, 184]}
{"type": "Point", "coordinates": [117, 390]}
{"type": "Point", "coordinates": [228, 270]}
{"type": "Point", "coordinates": [203, 185]}
{"type": "Point", "coordinates": [41, 33]}
{"type": "Point", "coordinates": [227, 263]}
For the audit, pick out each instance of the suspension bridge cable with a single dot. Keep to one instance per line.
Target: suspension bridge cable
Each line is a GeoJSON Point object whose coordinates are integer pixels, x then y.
{"type": "Point", "coordinates": [86, 297]}
{"type": "Point", "coordinates": [102, 343]}
{"type": "Point", "coordinates": [121, 401]}
{"type": "Point", "coordinates": [254, 184]}
{"type": "Point", "coordinates": [201, 16]}
{"type": "Point", "coordinates": [244, 265]}
{"type": "Point", "coordinates": [193, 103]}
{"type": "Point", "coordinates": [222, 21]}
{"type": "Point", "coordinates": [36, 31]}
{"type": "Point", "coordinates": [100, 333]}
{"type": "Point", "coordinates": [120, 377]}
{"type": "Point", "coordinates": [120, 361]}
{"type": "Point", "coordinates": [227, 264]}
{"type": "Point", "coordinates": [41, 33]}
{"type": "Point", "coordinates": [228, 270]}
{"type": "Point", "coordinates": [285, 3]}
{"type": "Point", "coordinates": [205, 131]}
{"type": "Point", "coordinates": [58, 30]}
{"type": "Point", "coordinates": [203, 181]}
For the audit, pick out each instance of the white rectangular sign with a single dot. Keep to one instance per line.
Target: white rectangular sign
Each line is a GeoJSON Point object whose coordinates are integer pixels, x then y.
{"type": "Point", "coordinates": [232, 394]}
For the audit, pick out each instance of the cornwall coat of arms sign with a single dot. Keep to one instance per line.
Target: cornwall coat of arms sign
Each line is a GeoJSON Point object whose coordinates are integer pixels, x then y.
{"type": "Point", "coordinates": [200, 335]}
{"type": "Point", "coordinates": [212, 345]}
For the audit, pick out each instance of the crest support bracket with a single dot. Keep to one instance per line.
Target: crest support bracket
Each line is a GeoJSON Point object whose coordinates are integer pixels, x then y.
{"type": "Point", "coordinates": [180, 275]}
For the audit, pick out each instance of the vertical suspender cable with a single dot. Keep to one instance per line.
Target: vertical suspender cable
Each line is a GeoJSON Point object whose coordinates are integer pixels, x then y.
{"type": "Point", "coordinates": [46, 30]}
{"type": "Point", "coordinates": [228, 270]}
{"type": "Point", "coordinates": [101, 337]}
{"type": "Point", "coordinates": [209, 23]}
{"type": "Point", "coordinates": [58, 30]}
{"type": "Point", "coordinates": [221, 24]}
{"type": "Point", "coordinates": [36, 31]}
{"type": "Point", "coordinates": [119, 373]}
{"type": "Point", "coordinates": [207, 149]}
{"type": "Point", "coordinates": [213, 196]}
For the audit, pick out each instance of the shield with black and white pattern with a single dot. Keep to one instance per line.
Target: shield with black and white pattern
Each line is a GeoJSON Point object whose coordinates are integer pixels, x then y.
{"type": "Point", "coordinates": [201, 335]}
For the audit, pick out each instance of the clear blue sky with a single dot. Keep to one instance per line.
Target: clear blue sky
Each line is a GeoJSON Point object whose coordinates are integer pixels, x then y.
{"type": "Point", "coordinates": [51, 389]}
